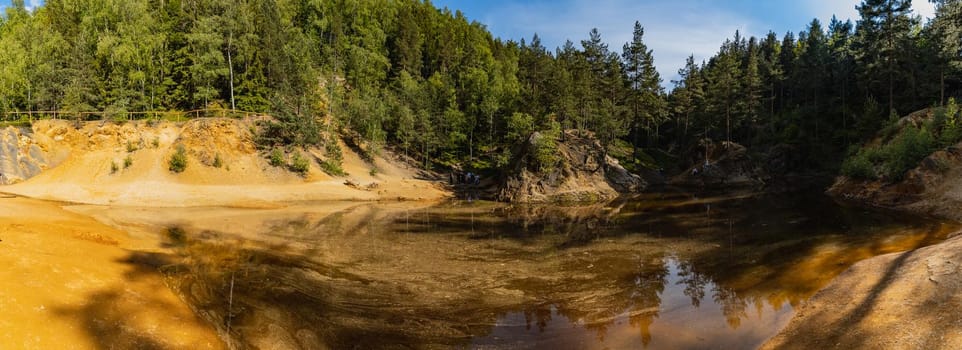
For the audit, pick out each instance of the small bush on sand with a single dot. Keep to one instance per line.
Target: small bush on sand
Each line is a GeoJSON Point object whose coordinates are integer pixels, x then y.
{"type": "Point", "coordinates": [128, 162]}
{"type": "Point", "coordinates": [299, 164]}
{"type": "Point", "coordinates": [114, 167]}
{"type": "Point", "coordinates": [217, 161]}
{"type": "Point", "coordinates": [277, 157]}
{"type": "Point", "coordinates": [178, 162]}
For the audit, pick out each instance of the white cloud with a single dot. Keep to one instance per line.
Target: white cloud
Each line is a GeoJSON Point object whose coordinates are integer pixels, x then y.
{"type": "Point", "coordinates": [673, 30]}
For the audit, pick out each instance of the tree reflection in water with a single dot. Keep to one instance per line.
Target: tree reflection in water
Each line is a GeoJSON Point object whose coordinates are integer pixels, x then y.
{"type": "Point", "coordinates": [655, 271]}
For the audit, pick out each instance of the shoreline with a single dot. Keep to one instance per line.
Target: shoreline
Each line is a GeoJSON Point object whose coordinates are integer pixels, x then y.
{"type": "Point", "coordinates": [866, 306]}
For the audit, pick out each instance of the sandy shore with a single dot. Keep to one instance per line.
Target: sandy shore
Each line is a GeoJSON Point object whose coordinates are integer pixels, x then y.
{"type": "Point", "coordinates": [106, 297]}
{"type": "Point", "coordinates": [908, 300]}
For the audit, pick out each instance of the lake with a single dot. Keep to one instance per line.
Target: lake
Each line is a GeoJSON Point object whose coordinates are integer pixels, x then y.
{"type": "Point", "coordinates": [667, 270]}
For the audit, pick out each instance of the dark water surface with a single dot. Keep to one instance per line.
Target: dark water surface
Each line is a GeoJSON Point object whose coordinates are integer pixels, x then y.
{"type": "Point", "coordinates": [662, 271]}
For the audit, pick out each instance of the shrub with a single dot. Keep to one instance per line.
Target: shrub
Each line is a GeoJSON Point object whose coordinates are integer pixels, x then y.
{"type": "Point", "coordinates": [217, 161]}
{"type": "Point", "coordinates": [545, 148]}
{"type": "Point", "coordinates": [373, 172]}
{"type": "Point", "coordinates": [332, 165]}
{"type": "Point", "coordinates": [156, 142]}
{"type": "Point", "coordinates": [114, 167]}
{"type": "Point", "coordinates": [178, 162]}
{"type": "Point", "coordinates": [277, 157]}
{"type": "Point", "coordinates": [951, 125]}
{"type": "Point", "coordinates": [906, 151]}
{"type": "Point", "coordinates": [859, 167]}
{"type": "Point", "coordinates": [128, 162]}
{"type": "Point", "coordinates": [894, 159]}
{"type": "Point", "coordinates": [131, 147]}
{"type": "Point", "coordinates": [299, 164]}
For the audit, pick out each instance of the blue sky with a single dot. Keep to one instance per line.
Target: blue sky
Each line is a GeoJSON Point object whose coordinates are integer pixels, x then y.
{"type": "Point", "coordinates": [674, 29]}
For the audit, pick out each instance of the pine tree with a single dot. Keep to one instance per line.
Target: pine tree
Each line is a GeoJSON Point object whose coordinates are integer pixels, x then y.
{"type": "Point", "coordinates": [724, 86]}
{"type": "Point", "coordinates": [645, 95]}
{"type": "Point", "coordinates": [883, 42]}
{"type": "Point", "coordinates": [946, 32]}
{"type": "Point", "coordinates": [689, 92]}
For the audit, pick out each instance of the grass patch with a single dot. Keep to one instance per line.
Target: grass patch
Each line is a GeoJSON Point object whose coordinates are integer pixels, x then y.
{"type": "Point", "coordinates": [128, 162]}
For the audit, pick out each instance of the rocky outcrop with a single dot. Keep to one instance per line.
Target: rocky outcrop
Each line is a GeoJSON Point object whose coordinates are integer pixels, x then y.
{"type": "Point", "coordinates": [933, 187]}
{"type": "Point", "coordinates": [720, 163]}
{"type": "Point", "coordinates": [21, 157]}
{"type": "Point", "coordinates": [584, 173]}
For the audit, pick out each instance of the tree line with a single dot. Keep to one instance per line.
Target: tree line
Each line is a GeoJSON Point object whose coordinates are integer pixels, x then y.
{"type": "Point", "coordinates": [437, 86]}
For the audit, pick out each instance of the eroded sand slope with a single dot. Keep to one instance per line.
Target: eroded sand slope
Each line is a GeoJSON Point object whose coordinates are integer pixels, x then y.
{"type": "Point", "coordinates": [90, 168]}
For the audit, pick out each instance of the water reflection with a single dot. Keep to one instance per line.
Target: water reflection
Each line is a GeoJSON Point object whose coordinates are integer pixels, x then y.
{"type": "Point", "coordinates": [666, 270]}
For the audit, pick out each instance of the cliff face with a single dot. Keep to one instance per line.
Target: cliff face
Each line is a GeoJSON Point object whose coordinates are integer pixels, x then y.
{"type": "Point", "coordinates": [583, 173]}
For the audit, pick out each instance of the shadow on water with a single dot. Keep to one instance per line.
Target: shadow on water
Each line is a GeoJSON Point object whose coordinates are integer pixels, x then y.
{"type": "Point", "coordinates": [673, 269]}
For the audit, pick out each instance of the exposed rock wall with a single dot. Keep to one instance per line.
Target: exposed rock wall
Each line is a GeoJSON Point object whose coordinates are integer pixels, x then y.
{"type": "Point", "coordinates": [21, 157]}
{"type": "Point", "coordinates": [584, 173]}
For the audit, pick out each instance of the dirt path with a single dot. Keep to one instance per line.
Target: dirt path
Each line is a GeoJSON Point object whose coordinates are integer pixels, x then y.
{"type": "Point", "coordinates": [907, 300]}
{"type": "Point", "coordinates": [69, 282]}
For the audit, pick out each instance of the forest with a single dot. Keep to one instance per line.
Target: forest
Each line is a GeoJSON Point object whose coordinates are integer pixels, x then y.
{"type": "Point", "coordinates": [432, 84]}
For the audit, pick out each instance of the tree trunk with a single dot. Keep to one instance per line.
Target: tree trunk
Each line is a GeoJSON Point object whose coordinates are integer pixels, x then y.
{"type": "Point", "coordinates": [942, 86]}
{"type": "Point", "coordinates": [230, 65]}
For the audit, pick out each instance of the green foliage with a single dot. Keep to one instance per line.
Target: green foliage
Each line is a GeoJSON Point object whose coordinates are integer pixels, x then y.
{"type": "Point", "coordinates": [178, 161]}
{"type": "Point", "coordinates": [277, 157]}
{"type": "Point", "coordinates": [114, 167]}
{"type": "Point", "coordinates": [951, 124]}
{"type": "Point", "coordinates": [131, 146]}
{"type": "Point", "coordinates": [332, 165]}
{"type": "Point", "coordinates": [128, 161]}
{"type": "Point", "coordinates": [893, 159]}
{"type": "Point", "coordinates": [544, 150]}
{"type": "Point", "coordinates": [299, 164]}
{"type": "Point", "coordinates": [442, 88]}
{"type": "Point", "coordinates": [520, 126]}
{"type": "Point", "coordinates": [218, 162]}
{"type": "Point", "coordinates": [906, 151]}
{"type": "Point", "coordinates": [859, 167]}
